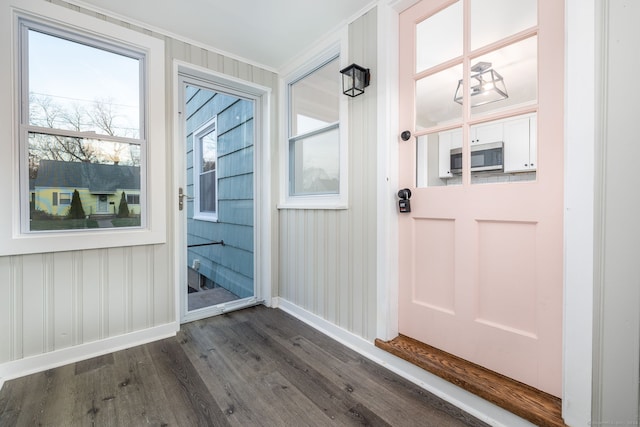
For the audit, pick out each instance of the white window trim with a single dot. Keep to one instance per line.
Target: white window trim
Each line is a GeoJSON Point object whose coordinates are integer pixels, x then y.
{"type": "Point", "coordinates": [12, 240]}
{"type": "Point", "coordinates": [337, 46]}
{"type": "Point", "coordinates": [203, 130]}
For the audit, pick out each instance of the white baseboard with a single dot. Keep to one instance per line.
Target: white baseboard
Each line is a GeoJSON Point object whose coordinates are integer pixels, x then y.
{"type": "Point", "coordinates": [468, 402]}
{"type": "Point", "coordinates": [42, 362]}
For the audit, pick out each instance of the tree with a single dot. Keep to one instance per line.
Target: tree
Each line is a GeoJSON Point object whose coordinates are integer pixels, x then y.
{"type": "Point", "coordinates": [100, 115]}
{"type": "Point", "coordinates": [123, 209]}
{"type": "Point", "coordinates": [76, 211]}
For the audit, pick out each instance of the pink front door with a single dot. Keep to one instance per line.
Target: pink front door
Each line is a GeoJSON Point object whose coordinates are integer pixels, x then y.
{"type": "Point", "coordinates": [481, 255]}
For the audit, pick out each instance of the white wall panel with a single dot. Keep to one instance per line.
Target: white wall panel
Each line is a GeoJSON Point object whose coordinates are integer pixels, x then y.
{"type": "Point", "coordinates": [141, 289]}
{"type": "Point", "coordinates": [91, 289]}
{"type": "Point", "coordinates": [32, 290]}
{"type": "Point", "coordinates": [61, 316]}
{"type": "Point", "coordinates": [116, 266]}
{"type": "Point", "coordinates": [6, 308]}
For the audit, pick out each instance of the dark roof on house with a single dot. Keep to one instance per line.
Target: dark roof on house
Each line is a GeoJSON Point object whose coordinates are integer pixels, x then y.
{"type": "Point", "coordinates": [98, 178]}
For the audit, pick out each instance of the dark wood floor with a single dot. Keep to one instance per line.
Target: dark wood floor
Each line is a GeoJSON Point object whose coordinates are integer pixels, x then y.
{"type": "Point", "coordinates": [257, 366]}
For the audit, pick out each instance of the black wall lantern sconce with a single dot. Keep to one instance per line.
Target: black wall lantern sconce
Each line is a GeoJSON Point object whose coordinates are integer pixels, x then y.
{"type": "Point", "coordinates": [354, 79]}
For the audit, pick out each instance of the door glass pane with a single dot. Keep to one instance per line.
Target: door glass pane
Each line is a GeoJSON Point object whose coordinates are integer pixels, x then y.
{"type": "Point", "coordinates": [512, 70]}
{"type": "Point", "coordinates": [439, 37]}
{"type": "Point", "coordinates": [435, 105]}
{"type": "Point", "coordinates": [439, 159]}
{"type": "Point", "coordinates": [492, 20]}
{"type": "Point", "coordinates": [219, 201]}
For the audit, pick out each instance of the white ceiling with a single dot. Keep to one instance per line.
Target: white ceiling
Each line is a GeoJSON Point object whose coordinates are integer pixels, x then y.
{"type": "Point", "coordinates": [265, 32]}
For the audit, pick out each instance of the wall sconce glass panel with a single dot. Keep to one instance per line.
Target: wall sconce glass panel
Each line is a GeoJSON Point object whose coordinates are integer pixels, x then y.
{"type": "Point", "coordinates": [354, 79]}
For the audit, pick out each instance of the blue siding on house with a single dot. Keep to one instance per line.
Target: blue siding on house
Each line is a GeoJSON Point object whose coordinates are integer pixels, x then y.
{"type": "Point", "coordinates": [231, 265]}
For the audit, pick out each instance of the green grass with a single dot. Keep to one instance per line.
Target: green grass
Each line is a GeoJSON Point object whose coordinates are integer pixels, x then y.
{"type": "Point", "coordinates": [126, 222]}
{"type": "Point", "coordinates": [62, 224]}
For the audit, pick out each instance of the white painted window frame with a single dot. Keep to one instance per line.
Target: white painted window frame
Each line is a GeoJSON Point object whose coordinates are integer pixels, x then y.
{"type": "Point", "coordinates": [210, 126]}
{"type": "Point", "coordinates": [13, 240]}
{"type": "Point", "coordinates": [330, 49]}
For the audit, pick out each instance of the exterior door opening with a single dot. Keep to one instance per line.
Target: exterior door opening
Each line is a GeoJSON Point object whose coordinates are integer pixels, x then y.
{"type": "Point", "coordinates": [216, 201]}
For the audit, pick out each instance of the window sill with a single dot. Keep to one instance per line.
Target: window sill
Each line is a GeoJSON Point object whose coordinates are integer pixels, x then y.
{"type": "Point", "coordinates": [205, 218]}
{"type": "Point", "coordinates": [22, 244]}
{"type": "Point", "coordinates": [313, 204]}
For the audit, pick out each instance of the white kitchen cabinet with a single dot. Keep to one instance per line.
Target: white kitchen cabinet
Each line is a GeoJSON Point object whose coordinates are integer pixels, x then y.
{"type": "Point", "coordinates": [487, 133]}
{"type": "Point", "coordinates": [517, 133]}
{"type": "Point", "coordinates": [447, 141]}
{"type": "Point", "coordinates": [520, 148]}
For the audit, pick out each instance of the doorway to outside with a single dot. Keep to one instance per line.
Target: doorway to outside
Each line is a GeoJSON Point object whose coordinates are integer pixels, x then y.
{"type": "Point", "coordinates": [216, 204]}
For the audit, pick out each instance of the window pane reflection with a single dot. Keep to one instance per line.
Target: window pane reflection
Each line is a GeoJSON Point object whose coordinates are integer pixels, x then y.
{"type": "Point", "coordinates": [73, 86]}
{"type": "Point", "coordinates": [492, 20]}
{"type": "Point", "coordinates": [77, 183]}
{"type": "Point", "coordinates": [439, 37]}
{"type": "Point", "coordinates": [315, 99]}
{"type": "Point", "coordinates": [435, 105]}
{"type": "Point", "coordinates": [316, 161]}
{"type": "Point", "coordinates": [518, 66]}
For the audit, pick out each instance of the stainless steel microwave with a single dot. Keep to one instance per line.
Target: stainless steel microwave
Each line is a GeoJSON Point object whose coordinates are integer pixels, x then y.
{"type": "Point", "coordinates": [484, 157]}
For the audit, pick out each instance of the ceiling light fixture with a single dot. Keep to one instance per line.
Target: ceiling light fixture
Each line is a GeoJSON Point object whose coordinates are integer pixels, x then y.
{"type": "Point", "coordinates": [487, 86]}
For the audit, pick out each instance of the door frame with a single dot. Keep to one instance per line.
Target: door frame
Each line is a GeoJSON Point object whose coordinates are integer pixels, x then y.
{"type": "Point", "coordinates": [262, 218]}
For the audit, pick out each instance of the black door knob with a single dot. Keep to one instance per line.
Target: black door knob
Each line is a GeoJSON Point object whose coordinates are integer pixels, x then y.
{"type": "Point", "coordinates": [404, 194]}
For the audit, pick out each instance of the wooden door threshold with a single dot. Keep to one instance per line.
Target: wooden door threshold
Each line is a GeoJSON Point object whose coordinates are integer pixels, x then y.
{"type": "Point", "coordinates": [533, 405]}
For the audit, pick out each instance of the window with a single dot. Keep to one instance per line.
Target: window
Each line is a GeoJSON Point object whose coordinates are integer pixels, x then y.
{"type": "Point", "coordinates": [316, 154]}
{"type": "Point", "coordinates": [205, 173]}
{"type": "Point", "coordinates": [133, 199]}
{"type": "Point", "coordinates": [66, 135]}
{"type": "Point", "coordinates": [65, 199]}
{"type": "Point", "coordinates": [82, 123]}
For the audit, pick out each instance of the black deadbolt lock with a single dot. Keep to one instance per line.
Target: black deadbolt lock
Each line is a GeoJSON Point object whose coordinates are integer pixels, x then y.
{"type": "Point", "coordinates": [405, 135]}
{"type": "Point", "coordinates": [404, 204]}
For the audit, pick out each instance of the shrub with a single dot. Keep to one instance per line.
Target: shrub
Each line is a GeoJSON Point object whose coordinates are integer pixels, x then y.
{"type": "Point", "coordinates": [75, 210]}
{"type": "Point", "coordinates": [40, 215]}
{"type": "Point", "coordinates": [123, 209]}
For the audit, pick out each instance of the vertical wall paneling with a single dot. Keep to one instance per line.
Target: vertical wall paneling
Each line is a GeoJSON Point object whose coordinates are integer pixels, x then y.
{"type": "Point", "coordinates": [91, 298]}
{"type": "Point", "coordinates": [78, 308]}
{"type": "Point", "coordinates": [48, 311]}
{"type": "Point", "coordinates": [60, 300]}
{"type": "Point", "coordinates": [6, 308]}
{"type": "Point", "coordinates": [32, 290]}
{"type": "Point", "coordinates": [330, 310]}
{"type": "Point", "coordinates": [139, 290]}
{"type": "Point", "coordinates": [116, 268]}
{"type": "Point", "coordinates": [319, 294]}
{"type": "Point", "coordinates": [345, 264]}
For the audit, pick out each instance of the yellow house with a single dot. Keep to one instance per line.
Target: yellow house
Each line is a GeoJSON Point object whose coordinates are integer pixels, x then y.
{"type": "Point", "coordinates": [100, 187]}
